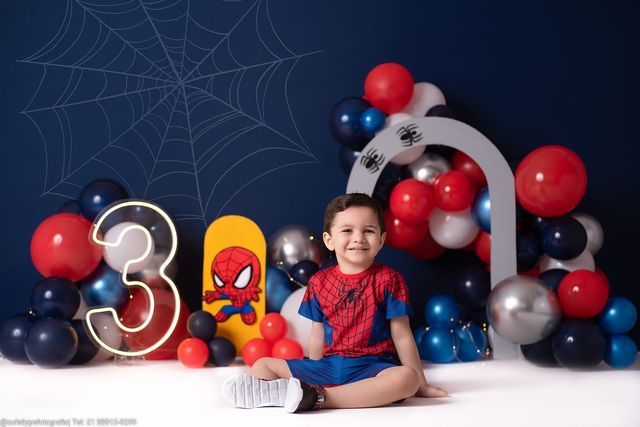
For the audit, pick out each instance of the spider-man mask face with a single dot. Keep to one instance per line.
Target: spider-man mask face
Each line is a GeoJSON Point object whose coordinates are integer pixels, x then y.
{"type": "Point", "coordinates": [235, 270]}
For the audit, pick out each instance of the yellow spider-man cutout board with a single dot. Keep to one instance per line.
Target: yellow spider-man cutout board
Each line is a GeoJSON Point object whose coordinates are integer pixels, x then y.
{"type": "Point", "coordinates": [233, 277]}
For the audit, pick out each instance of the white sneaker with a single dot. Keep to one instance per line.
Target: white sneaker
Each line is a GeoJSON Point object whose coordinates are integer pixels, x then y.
{"type": "Point", "coordinates": [294, 395]}
{"type": "Point", "coordinates": [246, 391]}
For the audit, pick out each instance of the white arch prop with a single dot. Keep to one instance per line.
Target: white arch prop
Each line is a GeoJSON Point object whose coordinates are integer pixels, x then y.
{"type": "Point", "coordinates": [452, 133]}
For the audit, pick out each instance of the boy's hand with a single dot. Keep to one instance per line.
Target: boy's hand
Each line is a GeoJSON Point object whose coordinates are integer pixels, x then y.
{"type": "Point", "coordinates": [427, 390]}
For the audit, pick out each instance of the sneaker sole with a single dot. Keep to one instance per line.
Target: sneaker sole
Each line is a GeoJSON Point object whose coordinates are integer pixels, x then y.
{"type": "Point", "coordinates": [246, 391]}
{"type": "Point", "coordinates": [294, 395]}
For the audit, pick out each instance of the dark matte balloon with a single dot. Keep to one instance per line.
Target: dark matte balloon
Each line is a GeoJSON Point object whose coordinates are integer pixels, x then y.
{"type": "Point", "coordinates": [51, 343]}
{"type": "Point", "coordinates": [540, 353]}
{"type": "Point", "coordinates": [441, 111]}
{"type": "Point", "coordinates": [55, 297]}
{"type": "Point", "coordinates": [344, 123]}
{"type": "Point", "coordinates": [221, 351]}
{"type": "Point", "coordinates": [12, 335]}
{"type": "Point", "coordinates": [302, 271]}
{"type": "Point", "coordinates": [87, 350]}
{"type": "Point", "coordinates": [553, 277]}
{"type": "Point", "coordinates": [70, 206]}
{"type": "Point", "coordinates": [99, 194]}
{"type": "Point", "coordinates": [563, 238]}
{"type": "Point", "coordinates": [529, 250]}
{"type": "Point", "coordinates": [391, 175]}
{"type": "Point", "coordinates": [201, 324]}
{"type": "Point", "coordinates": [578, 343]}
{"type": "Point", "coordinates": [472, 284]}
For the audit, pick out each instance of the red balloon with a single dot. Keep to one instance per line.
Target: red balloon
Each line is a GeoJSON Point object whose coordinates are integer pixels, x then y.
{"type": "Point", "coordinates": [454, 191]}
{"type": "Point", "coordinates": [427, 249]}
{"type": "Point", "coordinates": [483, 246]}
{"type": "Point", "coordinates": [193, 353]}
{"type": "Point", "coordinates": [401, 235]}
{"type": "Point", "coordinates": [287, 349]}
{"type": "Point", "coordinates": [389, 87]}
{"type": "Point", "coordinates": [412, 201]}
{"type": "Point", "coordinates": [465, 164]}
{"type": "Point", "coordinates": [61, 246]}
{"type": "Point", "coordinates": [136, 310]}
{"type": "Point", "coordinates": [255, 349]}
{"type": "Point", "coordinates": [583, 293]}
{"type": "Point", "coordinates": [551, 181]}
{"type": "Point", "coordinates": [273, 327]}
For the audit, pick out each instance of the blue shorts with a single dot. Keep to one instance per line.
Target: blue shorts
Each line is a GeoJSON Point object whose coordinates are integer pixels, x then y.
{"type": "Point", "coordinates": [338, 370]}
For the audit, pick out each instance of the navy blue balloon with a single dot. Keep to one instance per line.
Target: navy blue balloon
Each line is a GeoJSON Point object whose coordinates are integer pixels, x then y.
{"type": "Point", "coordinates": [202, 324]}
{"type": "Point", "coordinates": [621, 351]}
{"type": "Point", "coordinates": [481, 210]}
{"type": "Point", "coordinates": [437, 344]}
{"type": "Point", "coordinates": [51, 343]}
{"type": "Point", "coordinates": [55, 297]}
{"type": "Point", "coordinates": [12, 335]}
{"type": "Point", "coordinates": [441, 111]}
{"type": "Point", "coordinates": [99, 194]}
{"type": "Point", "coordinates": [87, 350]}
{"type": "Point", "coordinates": [472, 284]}
{"type": "Point", "coordinates": [442, 310]}
{"type": "Point", "coordinates": [553, 277]}
{"type": "Point", "coordinates": [470, 342]}
{"type": "Point", "coordinates": [221, 352]}
{"type": "Point", "coordinates": [418, 335]}
{"type": "Point", "coordinates": [531, 222]}
{"type": "Point", "coordinates": [103, 287]}
{"type": "Point", "coordinates": [302, 271]}
{"type": "Point", "coordinates": [161, 233]}
{"type": "Point", "coordinates": [372, 120]}
{"type": "Point", "coordinates": [563, 238]}
{"type": "Point", "coordinates": [329, 261]}
{"type": "Point", "coordinates": [70, 206]}
{"type": "Point", "coordinates": [528, 250]}
{"type": "Point", "coordinates": [618, 316]}
{"type": "Point", "coordinates": [278, 288]}
{"type": "Point", "coordinates": [578, 343]}
{"type": "Point", "coordinates": [540, 353]}
{"type": "Point", "coordinates": [347, 158]}
{"type": "Point", "coordinates": [391, 175]}
{"type": "Point", "coordinates": [344, 123]}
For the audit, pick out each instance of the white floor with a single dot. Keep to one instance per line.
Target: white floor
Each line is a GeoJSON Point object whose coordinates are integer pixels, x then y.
{"type": "Point", "coordinates": [491, 393]}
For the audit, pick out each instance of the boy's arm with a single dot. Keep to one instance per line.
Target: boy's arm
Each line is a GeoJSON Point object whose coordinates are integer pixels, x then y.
{"type": "Point", "coordinates": [316, 341]}
{"type": "Point", "coordinates": [408, 354]}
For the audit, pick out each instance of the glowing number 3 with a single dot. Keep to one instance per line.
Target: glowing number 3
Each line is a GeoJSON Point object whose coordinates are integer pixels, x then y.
{"type": "Point", "coordinates": [95, 236]}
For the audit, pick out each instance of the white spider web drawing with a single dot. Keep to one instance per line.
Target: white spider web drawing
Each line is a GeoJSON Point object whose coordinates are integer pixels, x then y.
{"type": "Point", "coordinates": [184, 102]}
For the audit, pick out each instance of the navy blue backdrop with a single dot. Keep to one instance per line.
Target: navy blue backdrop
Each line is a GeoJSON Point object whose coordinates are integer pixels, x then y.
{"type": "Point", "coordinates": [220, 107]}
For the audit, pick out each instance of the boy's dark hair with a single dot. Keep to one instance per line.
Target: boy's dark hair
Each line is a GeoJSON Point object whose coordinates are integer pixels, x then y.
{"type": "Point", "coordinates": [342, 203]}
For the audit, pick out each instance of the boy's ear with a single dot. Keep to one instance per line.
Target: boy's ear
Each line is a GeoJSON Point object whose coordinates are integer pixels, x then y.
{"type": "Point", "coordinates": [383, 236]}
{"type": "Point", "coordinates": [328, 241]}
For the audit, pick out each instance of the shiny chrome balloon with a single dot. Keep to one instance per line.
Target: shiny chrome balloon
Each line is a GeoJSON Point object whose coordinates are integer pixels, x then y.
{"type": "Point", "coordinates": [428, 167]}
{"type": "Point", "coordinates": [292, 244]}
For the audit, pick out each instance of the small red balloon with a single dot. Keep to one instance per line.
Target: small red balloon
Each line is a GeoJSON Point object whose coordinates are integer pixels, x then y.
{"type": "Point", "coordinates": [61, 246]}
{"type": "Point", "coordinates": [483, 246]}
{"type": "Point", "coordinates": [273, 327]}
{"type": "Point", "coordinates": [255, 349]}
{"type": "Point", "coordinates": [389, 87]}
{"type": "Point", "coordinates": [427, 249]}
{"type": "Point", "coordinates": [287, 349]}
{"type": "Point", "coordinates": [401, 235]}
{"type": "Point", "coordinates": [583, 293]}
{"type": "Point", "coordinates": [412, 201]}
{"type": "Point", "coordinates": [193, 353]}
{"type": "Point", "coordinates": [551, 181]}
{"type": "Point", "coordinates": [465, 164]}
{"type": "Point", "coordinates": [454, 191]}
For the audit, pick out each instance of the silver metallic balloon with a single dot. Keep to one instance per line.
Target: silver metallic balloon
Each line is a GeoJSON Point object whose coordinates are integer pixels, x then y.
{"type": "Point", "coordinates": [428, 167]}
{"type": "Point", "coordinates": [292, 244]}
{"type": "Point", "coordinates": [523, 310]}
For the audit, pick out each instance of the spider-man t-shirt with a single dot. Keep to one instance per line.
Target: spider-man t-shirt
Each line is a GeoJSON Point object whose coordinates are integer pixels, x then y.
{"type": "Point", "coordinates": [355, 309]}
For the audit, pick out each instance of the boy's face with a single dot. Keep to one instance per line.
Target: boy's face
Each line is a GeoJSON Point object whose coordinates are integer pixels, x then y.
{"type": "Point", "coordinates": [355, 237]}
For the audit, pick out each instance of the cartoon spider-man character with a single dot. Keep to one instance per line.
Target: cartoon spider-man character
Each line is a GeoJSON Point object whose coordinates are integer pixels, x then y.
{"type": "Point", "coordinates": [236, 273]}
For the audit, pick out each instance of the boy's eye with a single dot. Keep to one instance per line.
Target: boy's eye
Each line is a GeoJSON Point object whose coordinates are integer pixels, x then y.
{"type": "Point", "coordinates": [369, 231]}
{"type": "Point", "coordinates": [346, 230]}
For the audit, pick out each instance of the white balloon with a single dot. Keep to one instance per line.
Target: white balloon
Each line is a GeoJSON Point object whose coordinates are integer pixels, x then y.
{"type": "Point", "coordinates": [595, 233]}
{"type": "Point", "coordinates": [584, 261]}
{"type": "Point", "coordinates": [133, 245]}
{"type": "Point", "coordinates": [425, 96]}
{"type": "Point", "coordinates": [452, 230]}
{"type": "Point", "coordinates": [410, 155]}
{"type": "Point", "coordinates": [394, 119]}
{"type": "Point", "coordinates": [299, 327]}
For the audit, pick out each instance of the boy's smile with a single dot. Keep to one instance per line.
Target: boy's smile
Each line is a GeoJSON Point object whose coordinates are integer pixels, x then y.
{"type": "Point", "coordinates": [355, 237]}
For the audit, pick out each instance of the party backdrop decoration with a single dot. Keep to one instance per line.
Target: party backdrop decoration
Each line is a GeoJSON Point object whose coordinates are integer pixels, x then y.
{"type": "Point", "coordinates": [233, 277]}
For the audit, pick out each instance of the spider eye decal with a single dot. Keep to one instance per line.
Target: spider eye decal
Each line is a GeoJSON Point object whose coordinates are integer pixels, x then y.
{"type": "Point", "coordinates": [243, 278]}
{"type": "Point", "coordinates": [218, 280]}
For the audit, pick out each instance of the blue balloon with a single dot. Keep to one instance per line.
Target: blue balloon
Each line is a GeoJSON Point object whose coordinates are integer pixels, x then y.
{"type": "Point", "coordinates": [12, 335]}
{"type": "Point", "coordinates": [87, 350]}
{"type": "Point", "coordinates": [418, 335]}
{"type": "Point", "coordinates": [99, 194]}
{"type": "Point", "coordinates": [302, 271]}
{"type": "Point", "coordinates": [472, 283]}
{"type": "Point", "coordinates": [437, 344]}
{"type": "Point", "coordinates": [278, 288]}
{"type": "Point", "coordinates": [618, 316]}
{"type": "Point", "coordinates": [391, 175]}
{"type": "Point", "coordinates": [347, 158]}
{"type": "Point", "coordinates": [221, 352]}
{"type": "Point", "coordinates": [442, 310]}
{"type": "Point", "coordinates": [529, 250]}
{"type": "Point", "coordinates": [481, 210]}
{"type": "Point", "coordinates": [553, 277]}
{"type": "Point", "coordinates": [563, 238]}
{"type": "Point", "coordinates": [103, 287]}
{"type": "Point", "coordinates": [55, 297]}
{"type": "Point", "coordinates": [202, 324]}
{"type": "Point", "coordinates": [51, 343]}
{"type": "Point", "coordinates": [372, 120]}
{"type": "Point", "coordinates": [540, 353]}
{"type": "Point", "coordinates": [621, 351]}
{"type": "Point", "coordinates": [578, 343]}
{"type": "Point", "coordinates": [470, 342]}
{"type": "Point", "coordinates": [71, 206]}
{"type": "Point", "coordinates": [344, 123]}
